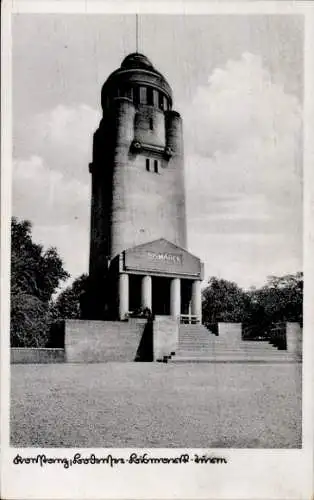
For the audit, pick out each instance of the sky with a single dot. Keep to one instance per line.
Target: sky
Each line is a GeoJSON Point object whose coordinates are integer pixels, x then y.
{"type": "Point", "coordinates": [237, 81]}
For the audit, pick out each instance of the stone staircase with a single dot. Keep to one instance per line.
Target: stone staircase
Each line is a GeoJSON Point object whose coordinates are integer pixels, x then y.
{"type": "Point", "coordinates": [198, 344]}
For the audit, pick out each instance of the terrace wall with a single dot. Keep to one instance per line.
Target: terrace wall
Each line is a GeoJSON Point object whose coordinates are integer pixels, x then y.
{"type": "Point", "coordinates": [29, 355]}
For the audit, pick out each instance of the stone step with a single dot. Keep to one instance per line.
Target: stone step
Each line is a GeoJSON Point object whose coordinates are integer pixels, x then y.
{"type": "Point", "coordinates": [194, 330]}
{"type": "Point", "coordinates": [227, 349]}
{"type": "Point", "coordinates": [193, 354]}
{"type": "Point", "coordinates": [234, 359]}
{"type": "Point", "coordinates": [195, 337]}
{"type": "Point", "coordinates": [197, 344]}
{"type": "Point", "coordinates": [214, 338]}
{"type": "Point", "coordinates": [228, 353]}
{"type": "Point", "coordinates": [222, 343]}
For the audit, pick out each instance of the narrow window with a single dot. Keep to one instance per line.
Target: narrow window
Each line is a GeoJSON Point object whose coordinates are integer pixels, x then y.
{"type": "Point", "coordinates": [128, 92]}
{"type": "Point", "coordinates": [161, 101]}
{"type": "Point", "coordinates": [151, 124]}
{"type": "Point", "coordinates": [143, 95]}
{"type": "Point", "coordinates": [156, 98]}
{"type": "Point", "coordinates": [165, 103]}
{"type": "Point", "coordinates": [150, 100]}
{"type": "Point", "coordinates": [136, 95]}
{"type": "Point", "coordinates": [156, 166]}
{"type": "Point", "coordinates": [147, 164]}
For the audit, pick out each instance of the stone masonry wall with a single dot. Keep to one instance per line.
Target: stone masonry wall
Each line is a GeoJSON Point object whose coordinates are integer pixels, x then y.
{"type": "Point", "coordinates": [25, 355]}
{"type": "Point", "coordinates": [165, 336]}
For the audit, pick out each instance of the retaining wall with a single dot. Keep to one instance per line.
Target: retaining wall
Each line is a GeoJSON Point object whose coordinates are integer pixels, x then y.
{"type": "Point", "coordinates": [102, 341]}
{"type": "Point", "coordinates": [232, 332]}
{"type": "Point", "coordinates": [165, 336]}
{"type": "Point", "coordinates": [294, 338]}
{"type": "Point", "coordinates": [28, 355]}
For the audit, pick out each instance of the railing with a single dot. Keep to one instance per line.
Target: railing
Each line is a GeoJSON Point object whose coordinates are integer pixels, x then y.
{"type": "Point", "coordinates": [189, 319]}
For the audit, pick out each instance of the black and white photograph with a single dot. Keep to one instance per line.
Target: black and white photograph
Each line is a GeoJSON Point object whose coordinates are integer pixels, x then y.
{"type": "Point", "coordinates": [156, 242]}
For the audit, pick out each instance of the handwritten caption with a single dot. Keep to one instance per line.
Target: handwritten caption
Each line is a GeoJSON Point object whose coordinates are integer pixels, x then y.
{"type": "Point", "coordinates": [111, 460]}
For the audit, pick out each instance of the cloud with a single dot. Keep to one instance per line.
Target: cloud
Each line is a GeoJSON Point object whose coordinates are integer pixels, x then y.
{"type": "Point", "coordinates": [62, 136]}
{"type": "Point", "coordinates": [239, 102]}
{"type": "Point", "coordinates": [244, 169]}
{"type": "Point", "coordinates": [58, 208]}
{"type": "Point", "coordinates": [247, 258]}
{"type": "Point", "coordinates": [42, 194]}
{"type": "Point", "coordinates": [65, 126]}
{"type": "Point", "coordinates": [51, 182]}
{"type": "Point", "coordinates": [72, 243]}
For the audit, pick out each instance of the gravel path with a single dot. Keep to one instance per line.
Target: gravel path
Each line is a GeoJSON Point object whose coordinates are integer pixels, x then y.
{"type": "Point", "coordinates": [155, 405]}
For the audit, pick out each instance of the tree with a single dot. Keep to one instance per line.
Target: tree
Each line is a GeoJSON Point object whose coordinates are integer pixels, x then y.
{"type": "Point", "coordinates": [281, 298]}
{"type": "Point", "coordinates": [33, 271]}
{"type": "Point", "coordinates": [29, 321]}
{"type": "Point", "coordinates": [35, 276]}
{"type": "Point", "coordinates": [68, 303]}
{"type": "Point", "coordinates": [223, 300]}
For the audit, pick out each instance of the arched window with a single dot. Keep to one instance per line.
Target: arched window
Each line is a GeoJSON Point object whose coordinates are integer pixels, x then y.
{"type": "Point", "coordinates": [147, 164]}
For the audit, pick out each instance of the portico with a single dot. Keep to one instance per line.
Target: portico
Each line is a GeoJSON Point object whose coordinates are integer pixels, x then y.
{"type": "Point", "coordinates": [162, 277]}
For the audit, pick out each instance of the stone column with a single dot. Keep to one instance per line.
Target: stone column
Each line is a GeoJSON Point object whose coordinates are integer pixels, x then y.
{"type": "Point", "coordinates": [196, 302]}
{"type": "Point", "coordinates": [175, 297]}
{"type": "Point", "coordinates": [147, 292]}
{"type": "Point", "coordinates": [123, 295]}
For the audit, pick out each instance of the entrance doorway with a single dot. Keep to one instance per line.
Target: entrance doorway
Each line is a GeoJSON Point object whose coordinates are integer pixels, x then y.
{"type": "Point", "coordinates": [186, 296]}
{"type": "Point", "coordinates": [160, 296]}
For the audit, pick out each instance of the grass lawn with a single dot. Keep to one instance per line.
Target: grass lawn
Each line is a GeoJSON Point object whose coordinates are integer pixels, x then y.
{"type": "Point", "coordinates": [235, 405]}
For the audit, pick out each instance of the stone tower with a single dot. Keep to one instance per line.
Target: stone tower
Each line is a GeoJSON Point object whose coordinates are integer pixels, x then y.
{"type": "Point", "coordinates": [138, 193]}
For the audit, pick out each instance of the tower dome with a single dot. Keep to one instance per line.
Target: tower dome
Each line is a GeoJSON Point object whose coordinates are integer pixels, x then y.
{"type": "Point", "coordinates": [136, 60]}
{"type": "Point", "coordinates": [137, 72]}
